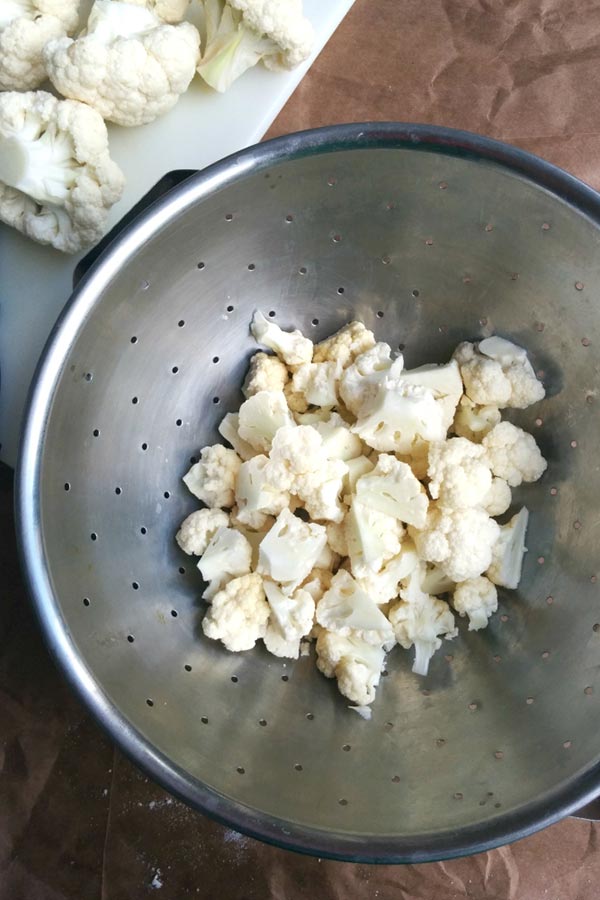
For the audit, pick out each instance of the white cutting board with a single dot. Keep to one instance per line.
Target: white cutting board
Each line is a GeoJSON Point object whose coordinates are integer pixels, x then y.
{"type": "Point", "coordinates": [35, 281]}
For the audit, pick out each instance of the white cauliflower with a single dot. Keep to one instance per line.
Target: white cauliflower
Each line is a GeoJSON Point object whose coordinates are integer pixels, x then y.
{"type": "Point", "coordinates": [167, 10]}
{"type": "Point", "coordinates": [508, 552]}
{"type": "Point", "coordinates": [422, 624]}
{"type": "Point", "coordinates": [357, 467]}
{"type": "Point", "coordinates": [198, 529]}
{"type": "Point", "coordinates": [336, 538]}
{"type": "Point", "coordinates": [212, 479]}
{"type": "Point", "coordinates": [26, 26]}
{"type": "Point", "coordinates": [296, 450]}
{"type": "Point", "coordinates": [460, 541]}
{"type": "Point", "coordinates": [320, 490]}
{"type": "Point", "coordinates": [354, 663]}
{"type": "Point", "coordinates": [260, 418]}
{"type": "Point", "coordinates": [477, 599]}
{"type": "Point", "coordinates": [57, 180]}
{"type": "Point", "coordinates": [228, 555]}
{"type": "Point", "coordinates": [290, 346]}
{"type": "Point", "coordinates": [417, 458]}
{"type": "Point", "coordinates": [345, 345]}
{"type": "Point", "coordinates": [291, 620]}
{"type": "Point", "coordinates": [254, 494]}
{"type": "Point", "coordinates": [458, 473]}
{"type": "Point", "coordinates": [360, 382]}
{"type": "Point", "coordinates": [229, 429]}
{"type": "Point", "coordinates": [392, 488]}
{"type": "Point", "coordinates": [512, 454]}
{"type": "Point", "coordinates": [290, 549]}
{"type": "Point", "coordinates": [128, 64]}
{"type": "Point", "coordinates": [384, 585]}
{"type": "Point", "coordinates": [338, 441]}
{"type": "Point", "coordinates": [498, 373]}
{"type": "Point", "coordinates": [498, 498]}
{"type": "Point", "coordinates": [348, 610]}
{"type": "Point", "coordinates": [372, 538]}
{"type": "Point", "coordinates": [266, 373]}
{"type": "Point", "coordinates": [317, 383]}
{"type": "Point", "coordinates": [473, 422]}
{"type": "Point", "coordinates": [444, 382]}
{"type": "Point", "coordinates": [241, 33]}
{"type": "Point", "coordinates": [400, 414]}
{"type": "Point", "coordinates": [435, 581]}
{"type": "Point", "coordinates": [318, 581]}
{"type": "Point", "coordinates": [239, 614]}
{"type": "Point", "coordinates": [313, 416]}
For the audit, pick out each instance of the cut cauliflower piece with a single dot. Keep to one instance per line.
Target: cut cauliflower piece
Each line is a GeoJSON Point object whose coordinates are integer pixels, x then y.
{"type": "Point", "coordinates": [498, 373]}
{"type": "Point", "coordinates": [198, 529]}
{"type": "Point", "coordinates": [460, 541]}
{"type": "Point", "coordinates": [296, 450]}
{"type": "Point", "coordinates": [360, 465]}
{"type": "Point", "coordinates": [57, 180]}
{"type": "Point", "coordinates": [318, 581]}
{"type": "Point", "coordinates": [422, 624]}
{"type": "Point", "coordinates": [241, 33]}
{"type": "Point", "coordinates": [261, 417]}
{"type": "Point", "coordinates": [498, 498]}
{"type": "Point", "coordinates": [168, 10]}
{"type": "Point", "coordinates": [354, 663]}
{"type": "Point", "coordinates": [338, 441]}
{"type": "Point", "coordinates": [509, 549]}
{"type": "Point", "coordinates": [290, 549]}
{"type": "Point", "coordinates": [212, 479]}
{"type": "Point", "coordinates": [392, 489]}
{"type": "Point", "coordinates": [128, 64]}
{"type": "Point", "coordinates": [290, 346]}
{"type": "Point", "coordinates": [348, 610]}
{"type": "Point", "coordinates": [485, 382]}
{"type": "Point", "coordinates": [360, 382]}
{"type": "Point", "coordinates": [474, 422]}
{"type": "Point", "coordinates": [239, 614]}
{"type": "Point", "coordinates": [313, 416]}
{"type": "Point", "coordinates": [317, 383]}
{"type": "Point", "coordinates": [294, 614]}
{"type": "Point", "coordinates": [227, 555]}
{"type": "Point", "coordinates": [512, 454]}
{"type": "Point", "coordinates": [372, 538]}
{"type": "Point", "coordinates": [477, 599]}
{"type": "Point", "coordinates": [229, 429]}
{"type": "Point", "coordinates": [526, 389]}
{"type": "Point", "coordinates": [443, 381]}
{"type": "Point", "coordinates": [417, 458]}
{"type": "Point", "coordinates": [254, 494]}
{"type": "Point", "coordinates": [254, 537]}
{"type": "Point", "coordinates": [26, 26]}
{"type": "Point", "coordinates": [336, 538]}
{"type": "Point", "coordinates": [345, 345]}
{"type": "Point", "coordinates": [436, 582]}
{"type": "Point", "coordinates": [297, 402]}
{"type": "Point", "coordinates": [327, 559]}
{"type": "Point", "coordinates": [320, 490]}
{"type": "Point", "coordinates": [266, 373]}
{"type": "Point", "coordinates": [458, 473]}
{"type": "Point", "coordinates": [399, 415]}
{"type": "Point", "coordinates": [384, 585]}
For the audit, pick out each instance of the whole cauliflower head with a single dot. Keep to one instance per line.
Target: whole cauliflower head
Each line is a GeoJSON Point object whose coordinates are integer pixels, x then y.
{"type": "Point", "coordinates": [353, 662]}
{"type": "Point", "coordinates": [512, 454]}
{"type": "Point", "coordinates": [213, 478]}
{"type": "Point", "coordinates": [460, 541]}
{"type": "Point", "coordinates": [345, 345]}
{"type": "Point", "coordinates": [476, 598]}
{"type": "Point", "coordinates": [57, 180]}
{"type": "Point", "coordinates": [266, 373]}
{"type": "Point", "coordinates": [239, 614]}
{"type": "Point", "coordinates": [198, 529]}
{"type": "Point", "coordinates": [458, 473]}
{"type": "Point", "coordinates": [26, 26]}
{"type": "Point", "coordinates": [129, 65]}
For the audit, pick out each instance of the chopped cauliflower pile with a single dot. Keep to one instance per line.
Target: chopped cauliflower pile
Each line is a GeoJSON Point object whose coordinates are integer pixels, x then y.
{"type": "Point", "coordinates": [129, 62]}
{"type": "Point", "coordinates": [356, 504]}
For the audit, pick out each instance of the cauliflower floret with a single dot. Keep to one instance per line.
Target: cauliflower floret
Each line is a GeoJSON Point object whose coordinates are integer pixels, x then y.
{"type": "Point", "coordinates": [229, 429]}
{"type": "Point", "coordinates": [399, 415]}
{"type": "Point", "coordinates": [290, 549]}
{"type": "Point", "coordinates": [254, 494]}
{"type": "Point", "coordinates": [348, 610]}
{"type": "Point", "coordinates": [360, 382]}
{"type": "Point", "coordinates": [417, 458]}
{"type": "Point", "coordinates": [420, 624]}
{"type": "Point", "coordinates": [266, 373]}
{"type": "Point", "coordinates": [261, 417]}
{"type": "Point", "coordinates": [313, 416]}
{"type": "Point", "coordinates": [473, 422]}
{"type": "Point", "coordinates": [354, 663]}
{"type": "Point", "coordinates": [168, 10]}
{"type": "Point", "coordinates": [320, 491]}
{"type": "Point", "coordinates": [292, 614]}
{"type": "Point", "coordinates": [345, 345]}
{"type": "Point", "coordinates": [498, 373]}
{"type": "Point", "coordinates": [26, 26]}
{"type": "Point", "coordinates": [297, 402]}
{"type": "Point", "coordinates": [254, 521]}
{"type": "Point", "coordinates": [296, 450]}
{"type": "Point", "coordinates": [57, 180]}
{"type": "Point", "coordinates": [525, 389]}
{"type": "Point", "coordinates": [338, 441]}
{"type": "Point", "coordinates": [241, 33]}
{"type": "Point", "coordinates": [477, 599]}
{"type": "Point", "coordinates": [460, 541]}
{"type": "Point", "coordinates": [458, 473]}
{"type": "Point", "coordinates": [128, 64]}
{"type": "Point", "coordinates": [318, 581]}
{"type": "Point", "coordinates": [228, 555]}
{"type": "Point", "coordinates": [498, 498]}
{"type": "Point", "coordinates": [436, 582]}
{"type": "Point", "coordinates": [239, 614]}
{"type": "Point", "coordinates": [392, 488]}
{"type": "Point", "coordinates": [291, 346]}
{"type": "Point", "coordinates": [372, 537]}
{"type": "Point", "coordinates": [384, 585]}
{"type": "Point", "coordinates": [360, 465]}
{"type": "Point", "coordinates": [336, 538]}
{"type": "Point", "coordinates": [508, 552]}
{"type": "Point", "coordinates": [212, 479]}
{"type": "Point", "coordinates": [513, 454]}
{"type": "Point", "coordinates": [444, 382]}
{"type": "Point", "coordinates": [317, 383]}
{"type": "Point", "coordinates": [254, 537]}
{"type": "Point", "coordinates": [198, 529]}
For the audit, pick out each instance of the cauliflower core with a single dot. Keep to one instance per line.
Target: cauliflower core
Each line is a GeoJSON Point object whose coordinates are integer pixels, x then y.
{"type": "Point", "coordinates": [356, 508]}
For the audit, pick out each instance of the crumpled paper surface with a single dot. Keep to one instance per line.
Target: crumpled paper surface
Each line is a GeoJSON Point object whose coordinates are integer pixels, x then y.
{"type": "Point", "coordinates": [77, 820]}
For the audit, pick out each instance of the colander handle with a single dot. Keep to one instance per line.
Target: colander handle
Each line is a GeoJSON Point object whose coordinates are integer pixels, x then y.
{"type": "Point", "coordinates": [162, 187]}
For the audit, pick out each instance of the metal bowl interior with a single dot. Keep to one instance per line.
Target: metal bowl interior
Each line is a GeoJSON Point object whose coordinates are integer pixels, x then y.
{"type": "Point", "coordinates": [429, 237]}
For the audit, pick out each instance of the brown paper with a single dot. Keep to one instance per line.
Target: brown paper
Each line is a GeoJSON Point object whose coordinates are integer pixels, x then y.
{"type": "Point", "coordinates": [77, 821]}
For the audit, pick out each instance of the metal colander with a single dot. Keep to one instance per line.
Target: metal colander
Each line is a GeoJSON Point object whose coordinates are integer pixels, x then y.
{"type": "Point", "coordinates": [429, 237]}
